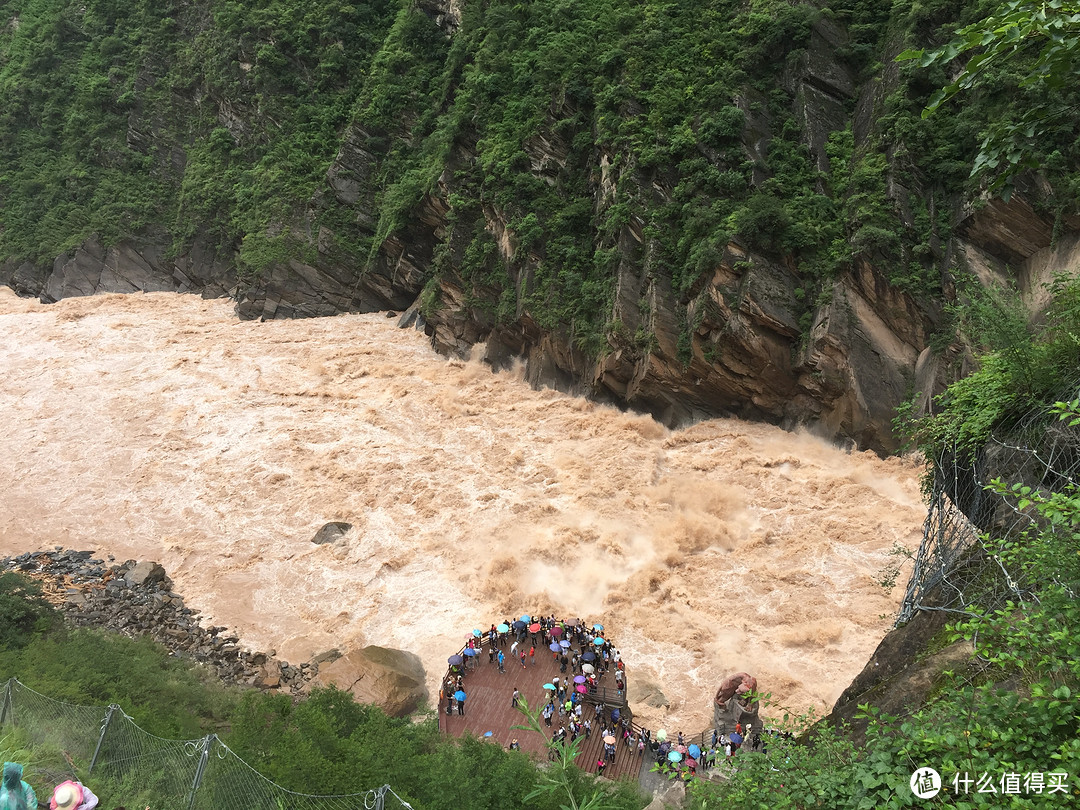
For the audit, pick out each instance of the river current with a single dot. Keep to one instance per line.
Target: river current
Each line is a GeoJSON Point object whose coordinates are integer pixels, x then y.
{"type": "Point", "coordinates": [160, 427]}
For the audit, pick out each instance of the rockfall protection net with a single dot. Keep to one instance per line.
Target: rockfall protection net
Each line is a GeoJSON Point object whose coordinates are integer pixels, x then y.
{"type": "Point", "coordinates": [953, 562]}
{"type": "Point", "coordinates": [203, 774]}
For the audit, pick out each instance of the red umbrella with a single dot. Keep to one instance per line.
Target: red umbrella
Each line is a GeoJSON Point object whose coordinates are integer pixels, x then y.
{"type": "Point", "coordinates": [556, 631]}
{"type": "Point", "coordinates": [534, 627]}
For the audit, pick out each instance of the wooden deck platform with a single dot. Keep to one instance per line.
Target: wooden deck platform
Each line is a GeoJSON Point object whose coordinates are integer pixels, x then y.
{"type": "Point", "coordinates": [487, 708]}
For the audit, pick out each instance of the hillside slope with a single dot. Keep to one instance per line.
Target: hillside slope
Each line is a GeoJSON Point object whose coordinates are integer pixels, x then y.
{"type": "Point", "coordinates": [696, 208]}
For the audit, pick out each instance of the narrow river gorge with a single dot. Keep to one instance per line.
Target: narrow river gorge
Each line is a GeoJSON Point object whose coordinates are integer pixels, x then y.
{"type": "Point", "coordinates": [159, 426]}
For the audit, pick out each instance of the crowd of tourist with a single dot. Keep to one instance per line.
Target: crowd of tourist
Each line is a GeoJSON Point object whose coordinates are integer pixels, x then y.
{"type": "Point", "coordinates": [573, 706]}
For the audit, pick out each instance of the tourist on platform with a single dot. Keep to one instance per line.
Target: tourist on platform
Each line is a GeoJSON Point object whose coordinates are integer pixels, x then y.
{"type": "Point", "coordinates": [515, 745]}
{"type": "Point", "coordinates": [549, 710]}
{"type": "Point", "coordinates": [588, 729]}
{"type": "Point", "coordinates": [600, 766]}
{"type": "Point", "coordinates": [514, 698]}
{"type": "Point", "coordinates": [532, 654]}
{"type": "Point", "coordinates": [502, 660]}
{"type": "Point", "coordinates": [460, 697]}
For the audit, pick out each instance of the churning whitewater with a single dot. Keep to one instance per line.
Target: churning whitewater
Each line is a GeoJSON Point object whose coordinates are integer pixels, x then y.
{"type": "Point", "coordinates": [160, 427]}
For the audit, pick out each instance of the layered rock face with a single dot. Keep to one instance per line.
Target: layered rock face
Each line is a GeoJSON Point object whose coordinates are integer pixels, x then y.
{"type": "Point", "coordinates": [755, 337]}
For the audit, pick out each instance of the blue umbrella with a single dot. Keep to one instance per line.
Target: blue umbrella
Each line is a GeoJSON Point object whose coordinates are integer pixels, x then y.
{"type": "Point", "coordinates": [488, 733]}
{"type": "Point", "coordinates": [519, 624]}
{"type": "Point", "coordinates": [564, 644]}
{"type": "Point", "coordinates": [598, 641]}
{"type": "Point", "coordinates": [550, 687]}
{"type": "Point", "coordinates": [455, 659]}
{"type": "Point", "coordinates": [554, 646]}
{"type": "Point", "coordinates": [674, 756]}
{"type": "Point", "coordinates": [525, 617]}
{"type": "Point", "coordinates": [502, 628]}
{"type": "Point", "coordinates": [588, 656]}
{"type": "Point", "coordinates": [459, 695]}
{"type": "Point", "coordinates": [735, 737]}
{"type": "Point", "coordinates": [695, 752]}
{"type": "Point", "coordinates": [599, 628]}
{"type": "Point", "coordinates": [469, 651]}
{"type": "Point", "coordinates": [476, 633]}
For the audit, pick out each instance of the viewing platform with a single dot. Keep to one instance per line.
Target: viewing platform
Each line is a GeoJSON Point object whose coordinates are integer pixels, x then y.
{"type": "Point", "coordinates": [489, 694]}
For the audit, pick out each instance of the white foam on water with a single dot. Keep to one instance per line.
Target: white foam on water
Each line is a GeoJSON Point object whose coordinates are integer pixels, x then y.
{"type": "Point", "coordinates": [158, 426]}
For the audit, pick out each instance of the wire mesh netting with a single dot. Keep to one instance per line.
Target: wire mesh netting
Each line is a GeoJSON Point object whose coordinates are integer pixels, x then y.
{"type": "Point", "coordinates": [954, 562]}
{"type": "Point", "coordinates": [202, 774]}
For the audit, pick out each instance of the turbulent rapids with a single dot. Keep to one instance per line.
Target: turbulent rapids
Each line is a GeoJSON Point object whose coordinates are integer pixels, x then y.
{"type": "Point", "coordinates": [159, 427]}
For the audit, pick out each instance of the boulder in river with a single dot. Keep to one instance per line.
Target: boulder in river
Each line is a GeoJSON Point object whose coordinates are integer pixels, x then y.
{"type": "Point", "coordinates": [330, 532]}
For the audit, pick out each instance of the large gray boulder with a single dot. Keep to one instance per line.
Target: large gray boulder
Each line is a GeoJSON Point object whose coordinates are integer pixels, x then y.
{"type": "Point", "coordinates": [390, 679]}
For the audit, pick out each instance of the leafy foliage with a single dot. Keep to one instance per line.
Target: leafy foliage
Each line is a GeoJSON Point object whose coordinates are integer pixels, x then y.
{"type": "Point", "coordinates": [1042, 39]}
{"type": "Point", "coordinates": [24, 611]}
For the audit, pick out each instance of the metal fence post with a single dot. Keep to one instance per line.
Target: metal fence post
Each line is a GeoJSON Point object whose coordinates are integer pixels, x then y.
{"type": "Point", "coordinates": [204, 755]}
{"type": "Point", "coordinates": [6, 711]}
{"type": "Point", "coordinates": [101, 737]}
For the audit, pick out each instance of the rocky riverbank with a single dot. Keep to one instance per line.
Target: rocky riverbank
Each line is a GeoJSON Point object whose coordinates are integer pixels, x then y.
{"type": "Point", "coordinates": [137, 599]}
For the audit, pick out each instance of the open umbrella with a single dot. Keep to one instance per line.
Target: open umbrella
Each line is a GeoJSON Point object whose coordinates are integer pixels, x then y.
{"type": "Point", "coordinates": [587, 668]}
{"type": "Point", "coordinates": [455, 660]}
{"type": "Point", "coordinates": [469, 651]}
{"type": "Point", "coordinates": [550, 687]}
{"type": "Point", "coordinates": [573, 622]}
{"type": "Point", "coordinates": [674, 756]}
{"type": "Point", "coordinates": [598, 641]}
{"type": "Point", "coordinates": [588, 656]}
{"type": "Point", "coordinates": [554, 646]}
{"type": "Point", "coordinates": [735, 737]}
{"type": "Point", "coordinates": [459, 695]}
{"type": "Point", "coordinates": [599, 628]}
{"type": "Point", "coordinates": [525, 617]}
{"type": "Point", "coordinates": [489, 733]}
{"type": "Point", "coordinates": [579, 679]}
{"type": "Point", "coordinates": [534, 627]}
{"type": "Point", "coordinates": [564, 644]}
{"type": "Point", "coordinates": [581, 688]}
{"type": "Point", "coordinates": [476, 633]}
{"type": "Point", "coordinates": [519, 624]}
{"type": "Point", "coordinates": [681, 749]}
{"type": "Point", "coordinates": [556, 631]}
{"type": "Point", "coordinates": [502, 628]}
{"type": "Point", "coordinates": [691, 762]}
{"type": "Point", "coordinates": [609, 740]}
{"type": "Point", "coordinates": [694, 751]}
{"type": "Point", "coordinates": [661, 735]}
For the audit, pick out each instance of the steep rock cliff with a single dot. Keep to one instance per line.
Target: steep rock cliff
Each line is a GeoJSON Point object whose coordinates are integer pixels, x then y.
{"type": "Point", "coordinates": [571, 242]}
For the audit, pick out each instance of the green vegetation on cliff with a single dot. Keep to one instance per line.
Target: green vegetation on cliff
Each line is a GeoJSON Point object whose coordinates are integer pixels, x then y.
{"type": "Point", "coordinates": [325, 744]}
{"type": "Point", "coordinates": [545, 145]}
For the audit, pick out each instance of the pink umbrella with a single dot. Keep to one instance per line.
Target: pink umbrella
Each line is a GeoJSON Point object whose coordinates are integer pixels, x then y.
{"type": "Point", "coordinates": [581, 688]}
{"type": "Point", "coordinates": [556, 631]}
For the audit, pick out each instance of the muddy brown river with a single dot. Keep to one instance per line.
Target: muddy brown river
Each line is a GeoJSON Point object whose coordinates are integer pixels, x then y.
{"type": "Point", "coordinates": [160, 427]}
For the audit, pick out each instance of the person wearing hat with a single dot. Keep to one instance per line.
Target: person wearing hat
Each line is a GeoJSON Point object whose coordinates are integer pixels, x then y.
{"type": "Point", "coordinates": [72, 796]}
{"type": "Point", "coordinates": [15, 794]}
{"type": "Point", "coordinates": [515, 745]}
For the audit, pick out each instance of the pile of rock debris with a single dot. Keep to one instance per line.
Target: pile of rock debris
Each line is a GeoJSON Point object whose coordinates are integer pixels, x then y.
{"type": "Point", "coordinates": [137, 598]}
